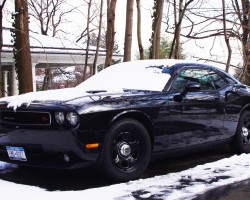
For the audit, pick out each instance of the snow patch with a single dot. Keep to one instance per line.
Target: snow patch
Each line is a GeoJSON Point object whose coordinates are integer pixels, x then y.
{"type": "Point", "coordinates": [182, 185]}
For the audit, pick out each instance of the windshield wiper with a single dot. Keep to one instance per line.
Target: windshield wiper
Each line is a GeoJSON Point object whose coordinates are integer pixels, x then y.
{"type": "Point", "coordinates": [96, 91]}
{"type": "Point", "coordinates": [156, 66]}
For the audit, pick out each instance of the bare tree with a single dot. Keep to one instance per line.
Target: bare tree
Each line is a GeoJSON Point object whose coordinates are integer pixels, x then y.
{"type": "Point", "coordinates": [140, 46]}
{"type": "Point", "coordinates": [22, 45]}
{"type": "Point", "coordinates": [50, 14]}
{"type": "Point", "coordinates": [128, 31]}
{"type": "Point", "coordinates": [111, 7]}
{"type": "Point", "coordinates": [93, 26]}
{"type": "Point", "coordinates": [201, 21]}
{"type": "Point", "coordinates": [175, 49]}
{"type": "Point", "coordinates": [231, 22]}
{"type": "Point", "coordinates": [1, 46]}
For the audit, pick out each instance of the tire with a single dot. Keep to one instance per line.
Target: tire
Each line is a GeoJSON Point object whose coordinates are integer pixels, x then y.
{"type": "Point", "coordinates": [241, 141]}
{"type": "Point", "coordinates": [127, 151]}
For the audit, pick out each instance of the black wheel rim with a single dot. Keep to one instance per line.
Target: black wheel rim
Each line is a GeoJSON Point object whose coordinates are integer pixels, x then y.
{"type": "Point", "coordinates": [126, 151]}
{"type": "Point", "coordinates": [245, 131]}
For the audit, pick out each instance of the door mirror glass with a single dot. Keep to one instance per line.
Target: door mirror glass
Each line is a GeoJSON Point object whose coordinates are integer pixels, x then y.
{"type": "Point", "coordinates": [193, 87]}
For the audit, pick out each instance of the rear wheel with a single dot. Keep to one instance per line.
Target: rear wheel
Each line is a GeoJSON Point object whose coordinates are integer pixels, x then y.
{"type": "Point", "coordinates": [127, 150]}
{"type": "Point", "coordinates": [241, 142]}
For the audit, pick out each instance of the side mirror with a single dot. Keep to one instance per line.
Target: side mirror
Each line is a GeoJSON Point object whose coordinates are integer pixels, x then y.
{"type": "Point", "coordinates": [178, 98]}
{"type": "Point", "coordinates": [190, 87]}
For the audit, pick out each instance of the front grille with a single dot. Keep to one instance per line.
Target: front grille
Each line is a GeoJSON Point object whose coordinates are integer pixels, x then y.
{"type": "Point", "coordinates": [26, 117]}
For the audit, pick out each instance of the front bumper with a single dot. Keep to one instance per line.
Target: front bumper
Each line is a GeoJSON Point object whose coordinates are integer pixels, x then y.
{"type": "Point", "coordinates": [47, 148]}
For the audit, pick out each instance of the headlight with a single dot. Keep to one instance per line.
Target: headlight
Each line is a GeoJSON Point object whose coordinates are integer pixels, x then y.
{"type": "Point", "coordinates": [59, 116]}
{"type": "Point", "coordinates": [72, 118]}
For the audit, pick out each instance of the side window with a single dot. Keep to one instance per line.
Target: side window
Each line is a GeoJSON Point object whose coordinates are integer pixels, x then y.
{"type": "Point", "coordinates": [208, 79]}
{"type": "Point", "coordinates": [179, 83]}
{"type": "Point", "coordinates": [217, 81]}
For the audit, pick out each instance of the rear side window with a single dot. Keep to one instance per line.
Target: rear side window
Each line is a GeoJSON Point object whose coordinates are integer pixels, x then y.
{"type": "Point", "coordinates": [208, 79]}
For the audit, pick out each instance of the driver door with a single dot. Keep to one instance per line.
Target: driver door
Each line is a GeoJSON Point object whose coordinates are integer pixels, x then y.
{"type": "Point", "coordinates": [198, 117]}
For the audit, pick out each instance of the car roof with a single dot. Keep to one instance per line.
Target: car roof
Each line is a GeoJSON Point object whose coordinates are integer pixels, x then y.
{"type": "Point", "coordinates": [179, 66]}
{"type": "Point", "coordinates": [191, 64]}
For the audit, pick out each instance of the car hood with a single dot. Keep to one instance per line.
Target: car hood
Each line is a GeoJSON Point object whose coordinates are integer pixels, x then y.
{"type": "Point", "coordinates": [100, 97]}
{"type": "Point", "coordinates": [132, 99]}
{"type": "Point", "coordinates": [70, 97]}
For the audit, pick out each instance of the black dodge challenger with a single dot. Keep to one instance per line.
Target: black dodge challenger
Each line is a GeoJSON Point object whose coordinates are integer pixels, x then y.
{"type": "Point", "coordinates": [125, 116]}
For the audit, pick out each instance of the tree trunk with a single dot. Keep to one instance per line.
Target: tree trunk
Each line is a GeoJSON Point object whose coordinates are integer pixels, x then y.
{"type": "Point", "coordinates": [178, 32]}
{"type": "Point", "coordinates": [87, 46]}
{"type": "Point", "coordinates": [141, 50]}
{"type": "Point", "coordinates": [128, 31]}
{"type": "Point", "coordinates": [47, 79]}
{"type": "Point", "coordinates": [1, 46]}
{"type": "Point", "coordinates": [158, 28]}
{"type": "Point", "coordinates": [98, 39]}
{"type": "Point", "coordinates": [156, 31]}
{"type": "Point", "coordinates": [226, 37]}
{"type": "Point", "coordinates": [23, 56]}
{"type": "Point", "coordinates": [110, 31]}
{"type": "Point", "coordinates": [245, 5]}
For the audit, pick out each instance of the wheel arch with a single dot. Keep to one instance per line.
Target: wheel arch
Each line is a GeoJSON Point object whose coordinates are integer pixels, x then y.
{"type": "Point", "coordinates": [240, 143]}
{"type": "Point", "coordinates": [140, 117]}
{"type": "Point", "coordinates": [246, 107]}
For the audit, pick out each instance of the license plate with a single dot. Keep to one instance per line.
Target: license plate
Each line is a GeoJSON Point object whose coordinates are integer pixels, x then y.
{"type": "Point", "coordinates": [16, 153]}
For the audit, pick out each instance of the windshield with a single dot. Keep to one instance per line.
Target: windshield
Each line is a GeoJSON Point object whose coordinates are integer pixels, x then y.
{"type": "Point", "coordinates": [138, 75]}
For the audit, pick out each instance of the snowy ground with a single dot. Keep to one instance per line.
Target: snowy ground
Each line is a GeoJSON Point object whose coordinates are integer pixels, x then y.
{"type": "Point", "coordinates": [182, 185]}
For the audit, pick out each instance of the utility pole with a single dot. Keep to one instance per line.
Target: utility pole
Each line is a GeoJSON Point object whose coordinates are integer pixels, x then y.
{"type": "Point", "coordinates": [22, 45]}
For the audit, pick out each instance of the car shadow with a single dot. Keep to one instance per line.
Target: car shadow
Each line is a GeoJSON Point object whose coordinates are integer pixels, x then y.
{"type": "Point", "coordinates": [52, 180]}
{"type": "Point", "coordinates": [180, 163]}
{"type": "Point", "coordinates": [68, 180]}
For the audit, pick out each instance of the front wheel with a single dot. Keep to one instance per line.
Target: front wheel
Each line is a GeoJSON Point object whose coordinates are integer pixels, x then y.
{"type": "Point", "coordinates": [241, 142]}
{"type": "Point", "coordinates": [127, 150]}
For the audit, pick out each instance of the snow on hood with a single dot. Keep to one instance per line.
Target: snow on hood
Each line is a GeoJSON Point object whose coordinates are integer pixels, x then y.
{"type": "Point", "coordinates": [139, 75]}
{"type": "Point", "coordinates": [50, 95]}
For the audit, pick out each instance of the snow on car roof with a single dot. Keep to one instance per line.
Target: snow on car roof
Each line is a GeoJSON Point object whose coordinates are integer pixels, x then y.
{"type": "Point", "coordinates": [140, 75]}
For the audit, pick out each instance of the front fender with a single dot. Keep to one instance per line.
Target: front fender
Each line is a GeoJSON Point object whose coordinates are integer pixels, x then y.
{"type": "Point", "coordinates": [137, 114]}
